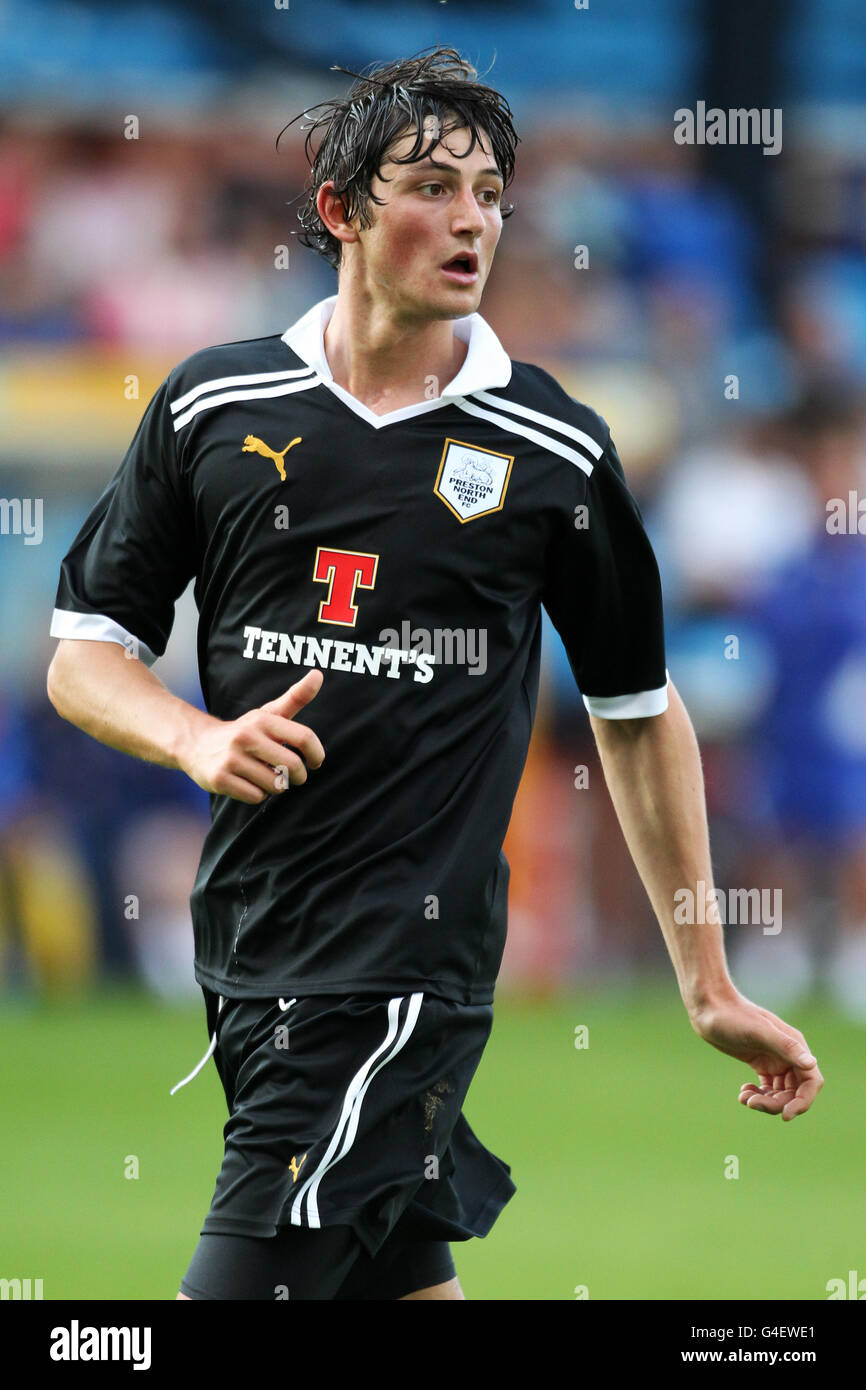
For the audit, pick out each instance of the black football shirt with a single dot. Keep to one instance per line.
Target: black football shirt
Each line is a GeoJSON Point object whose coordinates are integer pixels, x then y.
{"type": "Point", "coordinates": [407, 556]}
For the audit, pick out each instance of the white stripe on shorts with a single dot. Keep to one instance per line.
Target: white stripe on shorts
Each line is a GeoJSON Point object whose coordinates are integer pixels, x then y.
{"type": "Point", "coordinates": [350, 1117]}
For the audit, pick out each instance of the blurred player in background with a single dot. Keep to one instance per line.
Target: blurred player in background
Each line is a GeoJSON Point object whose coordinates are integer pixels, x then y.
{"type": "Point", "coordinates": [381, 495]}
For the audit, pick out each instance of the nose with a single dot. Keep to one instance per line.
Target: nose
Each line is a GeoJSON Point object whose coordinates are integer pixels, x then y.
{"type": "Point", "coordinates": [466, 214]}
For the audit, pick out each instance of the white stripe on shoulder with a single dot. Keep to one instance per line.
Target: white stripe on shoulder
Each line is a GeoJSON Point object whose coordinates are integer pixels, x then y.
{"type": "Point", "coordinates": [96, 627]}
{"type": "Point", "coordinates": [257, 394]}
{"type": "Point", "coordinates": [570, 431]}
{"type": "Point", "coordinates": [222, 383]}
{"type": "Point", "coordinates": [350, 1117]}
{"type": "Point", "coordinates": [514, 427]}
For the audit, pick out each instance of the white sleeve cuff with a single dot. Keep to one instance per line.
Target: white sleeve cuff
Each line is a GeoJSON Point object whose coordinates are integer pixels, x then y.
{"type": "Point", "coordinates": [95, 627]}
{"type": "Point", "coordinates": [638, 706]}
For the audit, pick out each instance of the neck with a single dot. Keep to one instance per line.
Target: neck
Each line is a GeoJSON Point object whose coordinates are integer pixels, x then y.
{"type": "Point", "coordinates": [385, 361]}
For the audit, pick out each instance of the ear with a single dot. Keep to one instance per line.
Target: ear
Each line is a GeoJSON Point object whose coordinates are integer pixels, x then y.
{"type": "Point", "coordinates": [333, 214]}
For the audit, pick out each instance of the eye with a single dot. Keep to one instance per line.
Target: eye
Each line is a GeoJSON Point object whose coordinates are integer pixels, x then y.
{"type": "Point", "coordinates": [425, 186]}
{"type": "Point", "coordinates": [494, 197]}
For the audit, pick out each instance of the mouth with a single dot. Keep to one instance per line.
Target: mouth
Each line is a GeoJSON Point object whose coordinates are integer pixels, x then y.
{"type": "Point", "coordinates": [462, 269]}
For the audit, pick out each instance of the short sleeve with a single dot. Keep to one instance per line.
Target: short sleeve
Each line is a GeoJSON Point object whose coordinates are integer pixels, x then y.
{"type": "Point", "coordinates": [135, 553]}
{"type": "Point", "coordinates": [603, 595]}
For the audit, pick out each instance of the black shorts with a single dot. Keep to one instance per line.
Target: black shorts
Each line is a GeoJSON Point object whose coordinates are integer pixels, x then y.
{"type": "Point", "coordinates": [326, 1264]}
{"type": "Point", "coordinates": [347, 1112]}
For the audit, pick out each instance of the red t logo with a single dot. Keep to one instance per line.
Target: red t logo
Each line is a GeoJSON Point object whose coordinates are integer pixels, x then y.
{"type": "Point", "coordinates": [343, 571]}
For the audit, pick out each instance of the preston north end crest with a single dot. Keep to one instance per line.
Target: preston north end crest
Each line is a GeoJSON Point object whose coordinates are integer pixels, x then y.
{"type": "Point", "coordinates": [472, 481]}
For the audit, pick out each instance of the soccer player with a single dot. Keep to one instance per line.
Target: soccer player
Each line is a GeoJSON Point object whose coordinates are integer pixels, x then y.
{"type": "Point", "coordinates": [357, 499]}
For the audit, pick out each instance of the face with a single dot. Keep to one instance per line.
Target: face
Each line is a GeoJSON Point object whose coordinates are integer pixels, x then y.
{"type": "Point", "coordinates": [431, 245]}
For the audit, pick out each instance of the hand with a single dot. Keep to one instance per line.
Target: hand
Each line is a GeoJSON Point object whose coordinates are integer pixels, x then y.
{"type": "Point", "coordinates": [247, 758]}
{"type": "Point", "coordinates": [787, 1072]}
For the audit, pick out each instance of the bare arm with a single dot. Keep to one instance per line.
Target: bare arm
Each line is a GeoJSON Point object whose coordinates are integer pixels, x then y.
{"type": "Point", "coordinates": [653, 771]}
{"type": "Point", "coordinates": [118, 700]}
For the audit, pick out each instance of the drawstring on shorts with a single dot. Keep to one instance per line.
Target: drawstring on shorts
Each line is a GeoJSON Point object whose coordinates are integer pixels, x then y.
{"type": "Point", "coordinates": [207, 1056]}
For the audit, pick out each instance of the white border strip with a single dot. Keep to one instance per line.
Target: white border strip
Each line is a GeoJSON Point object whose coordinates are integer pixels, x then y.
{"type": "Point", "coordinates": [570, 431]}
{"type": "Point", "coordinates": [545, 440]}
{"type": "Point", "coordinates": [347, 1125]}
{"type": "Point", "coordinates": [96, 627]}
{"type": "Point", "coordinates": [255, 395]}
{"type": "Point", "coordinates": [638, 706]}
{"type": "Point", "coordinates": [249, 379]}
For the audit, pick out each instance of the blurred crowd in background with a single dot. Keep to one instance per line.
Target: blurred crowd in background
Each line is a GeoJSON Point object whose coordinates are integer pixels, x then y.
{"type": "Point", "coordinates": [710, 304]}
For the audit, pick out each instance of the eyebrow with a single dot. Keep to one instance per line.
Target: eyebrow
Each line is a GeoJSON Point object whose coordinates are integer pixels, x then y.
{"type": "Point", "coordinates": [429, 163]}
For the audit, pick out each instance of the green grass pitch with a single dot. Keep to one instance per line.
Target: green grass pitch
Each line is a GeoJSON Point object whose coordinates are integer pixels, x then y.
{"type": "Point", "coordinates": [619, 1151]}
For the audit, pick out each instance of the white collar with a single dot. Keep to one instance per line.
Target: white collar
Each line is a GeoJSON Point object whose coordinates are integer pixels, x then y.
{"type": "Point", "coordinates": [486, 365]}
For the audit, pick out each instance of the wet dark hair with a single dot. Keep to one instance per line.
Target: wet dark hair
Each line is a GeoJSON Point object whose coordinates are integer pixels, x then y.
{"type": "Point", "coordinates": [356, 132]}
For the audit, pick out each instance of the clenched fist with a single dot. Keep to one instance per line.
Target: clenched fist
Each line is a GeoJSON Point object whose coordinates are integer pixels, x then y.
{"type": "Point", "coordinates": [250, 758]}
